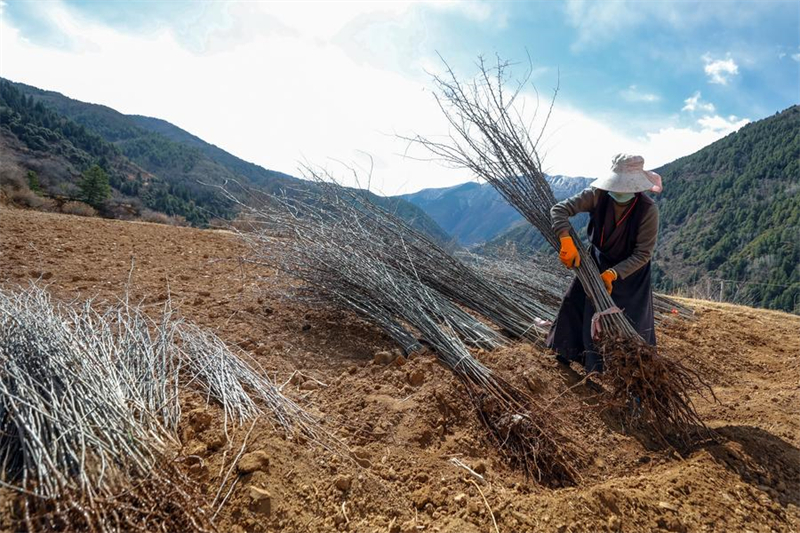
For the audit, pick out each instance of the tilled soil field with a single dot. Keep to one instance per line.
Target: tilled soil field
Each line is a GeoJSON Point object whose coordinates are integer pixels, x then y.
{"type": "Point", "coordinates": [423, 462]}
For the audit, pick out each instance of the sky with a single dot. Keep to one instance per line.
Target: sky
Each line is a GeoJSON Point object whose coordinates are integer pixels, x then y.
{"type": "Point", "coordinates": [337, 83]}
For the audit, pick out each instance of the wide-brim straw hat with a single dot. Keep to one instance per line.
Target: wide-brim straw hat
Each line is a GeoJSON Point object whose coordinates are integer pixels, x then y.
{"type": "Point", "coordinates": [629, 176]}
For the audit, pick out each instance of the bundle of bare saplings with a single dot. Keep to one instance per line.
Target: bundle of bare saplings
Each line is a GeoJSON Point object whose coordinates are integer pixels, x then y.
{"type": "Point", "coordinates": [540, 280]}
{"type": "Point", "coordinates": [360, 257]}
{"type": "Point", "coordinates": [89, 414]}
{"type": "Point", "coordinates": [491, 137]}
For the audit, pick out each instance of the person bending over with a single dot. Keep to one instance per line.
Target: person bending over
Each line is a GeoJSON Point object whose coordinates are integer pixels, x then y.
{"type": "Point", "coordinates": [622, 230]}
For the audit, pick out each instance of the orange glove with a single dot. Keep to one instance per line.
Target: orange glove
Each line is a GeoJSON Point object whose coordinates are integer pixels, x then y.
{"type": "Point", "coordinates": [608, 277]}
{"type": "Point", "coordinates": [569, 253]}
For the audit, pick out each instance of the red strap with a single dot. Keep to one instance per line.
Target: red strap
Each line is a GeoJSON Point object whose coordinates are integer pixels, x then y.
{"type": "Point", "coordinates": [628, 212]}
{"type": "Point", "coordinates": [623, 217]}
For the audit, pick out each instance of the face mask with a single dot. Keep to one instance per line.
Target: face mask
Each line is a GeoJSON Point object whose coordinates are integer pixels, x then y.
{"type": "Point", "coordinates": [621, 197]}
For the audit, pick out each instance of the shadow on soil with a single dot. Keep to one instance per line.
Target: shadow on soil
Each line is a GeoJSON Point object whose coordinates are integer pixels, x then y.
{"type": "Point", "coordinates": [761, 459]}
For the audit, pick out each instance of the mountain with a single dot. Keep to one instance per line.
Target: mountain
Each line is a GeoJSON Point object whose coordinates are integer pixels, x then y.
{"type": "Point", "coordinates": [255, 173]}
{"type": "Point", "coordinates": [470, 212]}
{"type": "Point", "coordinates": [474, 213]}
{"type": "Point", "coordinates": [730, 217]}
{"type": "Point", "coordinates": [150, 162]}
{"type": "Point", "coordinates": [36, 139]}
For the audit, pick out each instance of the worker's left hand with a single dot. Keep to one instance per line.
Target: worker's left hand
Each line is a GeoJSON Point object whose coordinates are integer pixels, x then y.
{"type": "Point", "coordinates": [609, 276]}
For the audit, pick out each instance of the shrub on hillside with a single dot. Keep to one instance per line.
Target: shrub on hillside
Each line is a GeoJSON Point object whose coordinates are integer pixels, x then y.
{"type": "Point", "coordinates": [33, 182]}
{"type": "Point", "coordinates": [27, 198]}
{"type": "Point", "coordinates": [78, 208]}
{"type": "Point", "coordinates": [121, 210]}
{"type": "Point", "coordinates": [10, 181]}
{"type": "Point", "coordinates": [178, 220]}
{"type": "Point", "coordinates": [156, 217]}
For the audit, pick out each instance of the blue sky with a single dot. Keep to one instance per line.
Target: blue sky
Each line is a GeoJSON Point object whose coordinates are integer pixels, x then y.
{"type": "Point", "coordinates": [276, 82]}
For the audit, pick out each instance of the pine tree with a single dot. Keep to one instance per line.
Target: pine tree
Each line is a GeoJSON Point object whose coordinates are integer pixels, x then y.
{"type": "Point", "coordinates": [94, 186]}
{"type": "Point", "coordinates": [33, 182]}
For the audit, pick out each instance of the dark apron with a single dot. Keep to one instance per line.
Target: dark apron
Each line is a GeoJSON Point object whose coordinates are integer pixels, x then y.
{"type": "Point", "coordinates": [612, 242]}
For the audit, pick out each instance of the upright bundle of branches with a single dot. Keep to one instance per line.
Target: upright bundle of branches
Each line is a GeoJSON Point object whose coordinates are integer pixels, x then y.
{"type": "Point", "coordinates": [142, 351]}
{"type": "Point", "coordinates": [85, 419]}
{"type": "Point", "coordinates": [490, 137]}
{"type": "Point", "coordinates": [340, 260]}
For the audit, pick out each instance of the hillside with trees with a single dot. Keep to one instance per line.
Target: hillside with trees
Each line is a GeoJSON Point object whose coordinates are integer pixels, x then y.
{"type": "Point", "coordinates": [58, 150]}
{"type": "Point", "coordinates": [255, 173]}
{"type": "Point", "coordinates": [154, 144]}
{"type": "Point", "coordinates": [730, 217]}
{"type": "Point", "coordinates": [150, 163]}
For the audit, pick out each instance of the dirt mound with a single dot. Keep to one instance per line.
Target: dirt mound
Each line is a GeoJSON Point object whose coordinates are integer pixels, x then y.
{"type": "Point", "coordinates": [422, 459]}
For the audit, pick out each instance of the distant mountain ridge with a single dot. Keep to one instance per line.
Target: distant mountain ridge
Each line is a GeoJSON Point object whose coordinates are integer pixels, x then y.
{"type": "Point", "coordinates": [474, 213]}
{"type": "Point", "coordinates": [151, 162]}
{"type": "Point", "coordinates": [255, 173]}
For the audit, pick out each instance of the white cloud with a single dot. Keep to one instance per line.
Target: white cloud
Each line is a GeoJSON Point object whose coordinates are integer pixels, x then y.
{"type": "Point", "coordinates": [275, 99]}
{"type": "Point", "coordinates": [296, 93]}
{"type": "Point", "coordinates": [600, 21]}
{"type": "Point", "coordinates": [478, 11]}
{"type": "Point", "coordinates": [695, 103]}
{"type": "Point", "coordinates": [720, 71]}
{"type": "Point", "coordinates": [722, 125]}
{"type": "Point", "coordinates": [275, 84]}
{"type": "Point", "coordinates": [633, 94]}
{"type": "Point", "coordinates": [576, 144]}
{"type": "Point", "coordinates": [670, 143]}
{"type": "Point", "coordinates": [796, 57]}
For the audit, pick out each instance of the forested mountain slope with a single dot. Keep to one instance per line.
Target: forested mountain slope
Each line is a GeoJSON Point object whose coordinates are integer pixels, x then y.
{"type": "Point", "coordinates": [730, 216]}
{"type": "Point", "coordinates": [257, 174]}
{"type": "Point", "coordinates": [149, 161]}
{"type": "Point", "coordinates": [35, 137]}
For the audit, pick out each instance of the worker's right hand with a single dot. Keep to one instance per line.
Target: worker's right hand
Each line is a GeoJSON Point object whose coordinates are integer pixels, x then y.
{"type": "Point", "coordinates": [569, 253]}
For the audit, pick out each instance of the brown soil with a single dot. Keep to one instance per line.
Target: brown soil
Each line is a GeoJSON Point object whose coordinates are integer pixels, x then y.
{"type": "Point", "coordinates": [406, 434]}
